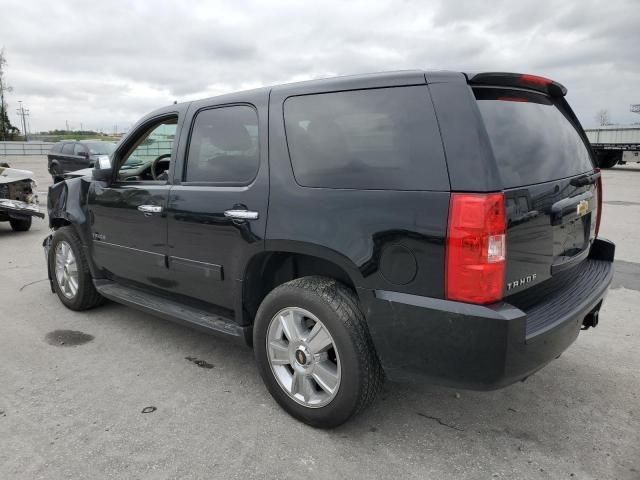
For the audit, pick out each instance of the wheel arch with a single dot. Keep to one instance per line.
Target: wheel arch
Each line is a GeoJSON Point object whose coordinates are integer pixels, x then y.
{"type": "Point", "coordinates": [273, 267]}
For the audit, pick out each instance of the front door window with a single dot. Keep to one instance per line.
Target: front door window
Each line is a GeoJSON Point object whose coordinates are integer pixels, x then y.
{"type": "Point", "coordinates": [150, 157]}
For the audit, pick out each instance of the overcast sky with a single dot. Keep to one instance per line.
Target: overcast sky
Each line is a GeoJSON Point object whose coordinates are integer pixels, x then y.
{"type": "Point", "coordinates": [103, 63]}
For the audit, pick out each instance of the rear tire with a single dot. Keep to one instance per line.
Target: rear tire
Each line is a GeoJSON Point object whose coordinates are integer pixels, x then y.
{"type": "Point", "coordinates": [20, 224]}
{"type": "Point", "coordinates": [608, 159]}
{"type": "Point", "coordinates": [342, 357]}
{"type": "Point", "coordinates": [70, 272]}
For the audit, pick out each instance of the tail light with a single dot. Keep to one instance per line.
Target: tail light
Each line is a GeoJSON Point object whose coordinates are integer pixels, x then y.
{"type": "Point", "coordinates": [476, 248]}
{"type": "Point", "coordinates": [599, 198]}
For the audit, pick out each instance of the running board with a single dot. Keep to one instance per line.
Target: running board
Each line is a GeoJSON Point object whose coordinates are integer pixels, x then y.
{"type": "Point", "coordinates": [168, 309]}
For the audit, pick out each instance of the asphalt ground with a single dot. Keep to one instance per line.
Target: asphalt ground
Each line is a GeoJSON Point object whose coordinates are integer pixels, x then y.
{"type": "Point", "coordinates": [129, 395]}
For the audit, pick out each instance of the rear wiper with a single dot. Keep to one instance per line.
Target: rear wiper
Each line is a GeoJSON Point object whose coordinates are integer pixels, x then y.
{"type": "Point", "coordinates": [586, 179]}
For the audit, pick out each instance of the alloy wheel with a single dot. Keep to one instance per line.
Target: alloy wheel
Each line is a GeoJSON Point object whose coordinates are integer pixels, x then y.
{"type": "Point", "coordinates": [66, 269]}
{"type": "Point", "coordinates": [303, 357]}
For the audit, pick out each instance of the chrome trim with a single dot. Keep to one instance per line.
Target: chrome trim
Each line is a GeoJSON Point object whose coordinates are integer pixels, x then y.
{"type": "Point", "coordinates": [149, 210]}
{"type": "Point", "coordinates": [241, 214]}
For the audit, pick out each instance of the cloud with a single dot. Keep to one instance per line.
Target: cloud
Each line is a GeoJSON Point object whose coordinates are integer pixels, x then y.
{"type": "Point", "coordinates": [107, 63]}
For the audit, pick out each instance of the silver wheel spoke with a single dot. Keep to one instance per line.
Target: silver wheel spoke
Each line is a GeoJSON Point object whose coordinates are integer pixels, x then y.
{"type": "Point", "coordinates": [302, 385]}
{"type": "Point", "coordinates": [289, 326]}
{"type": "Point", "coordinates": [326, 376]}
{"type": "Point", "coordinates": [279, 352]}
{"type": "Point", "coordinates": [319, 339]}
{"type": "Point", "coordinates": [296, 382]}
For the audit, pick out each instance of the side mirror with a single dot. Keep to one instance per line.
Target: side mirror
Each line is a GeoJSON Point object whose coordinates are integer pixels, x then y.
{"type": "Point", "coordinates": [102, 174]}
{"type": "Point", "coordinates": [84, 154]}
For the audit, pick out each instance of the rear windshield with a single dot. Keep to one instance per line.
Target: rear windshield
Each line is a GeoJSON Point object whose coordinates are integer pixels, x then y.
{"type": "Point", "coordinates": [533, 140]}
{"type": "Point", "coordinates": [383, 138]}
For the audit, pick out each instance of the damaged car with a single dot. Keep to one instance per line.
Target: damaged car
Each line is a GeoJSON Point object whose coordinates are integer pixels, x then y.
{"type": "Point", "coordinates": [18, 198]}
{"type": "Point", "coordinates": [417, 226]}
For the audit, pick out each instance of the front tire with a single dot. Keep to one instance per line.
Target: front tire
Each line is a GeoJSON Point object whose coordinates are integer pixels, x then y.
{"type": "Point", "coordinates": [314, 351]}
{"type": "Point", "coordinates": [69, 269]}
{"type": "Point", "coordinates": [20, 224]}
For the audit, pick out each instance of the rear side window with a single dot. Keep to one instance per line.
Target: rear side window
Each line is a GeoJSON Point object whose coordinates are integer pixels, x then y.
{"type": "Point", "coordinates": [224, 146]}
{"type": "Point", "coordinates": [78, 149]}
{"type": "Point", "coordinates": [532, 138]}
{"type": "Point", "coordinates": [366, 139]}
{"type": "Point", "coordinates": [56, 148]}
{"type": "Point", "coordinates": [67, 149]}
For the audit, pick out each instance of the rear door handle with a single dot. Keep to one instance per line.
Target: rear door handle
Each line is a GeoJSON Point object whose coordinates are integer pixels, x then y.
{"type": "Point", "coordinates": [149, 210]}
{"type": "Point", "coordinates": [241, 214]}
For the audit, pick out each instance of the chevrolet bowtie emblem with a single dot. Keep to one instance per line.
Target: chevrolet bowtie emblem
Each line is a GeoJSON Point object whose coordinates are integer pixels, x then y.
{"type": "Point", "coordinates": [582, 208]}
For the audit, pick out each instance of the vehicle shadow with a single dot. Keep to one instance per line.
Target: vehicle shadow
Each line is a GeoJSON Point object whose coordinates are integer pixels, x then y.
{"type": "Point", "coordinates": [526, 411]}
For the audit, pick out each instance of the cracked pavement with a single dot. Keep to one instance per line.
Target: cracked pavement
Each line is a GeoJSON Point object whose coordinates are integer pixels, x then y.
{"type": "Point", "coordinates": [74, 386]}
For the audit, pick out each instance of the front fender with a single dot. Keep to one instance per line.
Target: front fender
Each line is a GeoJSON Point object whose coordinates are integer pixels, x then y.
{"type": "Point", "coordinates": [67, 201]}
{"type": "Point", "coordinates": [67, 205]}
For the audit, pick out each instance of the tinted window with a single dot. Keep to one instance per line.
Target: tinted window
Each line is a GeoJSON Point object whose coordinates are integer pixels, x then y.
{"type": "Point", "coordinates": [224, 146]}
{"type": "Point", "coordinates": [78, 149]}
{"type": "Point", "coordinates": [100, 148]}
{"type": "Point", "coordinates": [68, 149]}
{"type": "Point", "coordinates": [56, 148]}
{"type": "Point", "coordinates": [533, 140]}
{"type": "Point", "coordinates": [367, 139]}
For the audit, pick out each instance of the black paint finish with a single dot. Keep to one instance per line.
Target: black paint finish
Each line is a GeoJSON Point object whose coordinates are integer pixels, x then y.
{"type": "Point", "coordinates": [191, 260]}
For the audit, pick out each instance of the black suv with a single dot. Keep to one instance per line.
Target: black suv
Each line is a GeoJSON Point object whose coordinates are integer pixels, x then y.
{"type": "Point", "coordinates": [71, 155]}
{"type": "Point", "coordinates": [439, 226]}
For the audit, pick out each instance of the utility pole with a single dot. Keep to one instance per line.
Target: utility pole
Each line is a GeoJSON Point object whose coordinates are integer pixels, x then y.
{"type": "Point", "coordinates": [67, 122]}
{"type": "Point", "coordinates": [23, 117]}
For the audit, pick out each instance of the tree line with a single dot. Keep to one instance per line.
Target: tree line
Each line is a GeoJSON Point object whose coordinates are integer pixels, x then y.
{"type": "Point", "coordinates": [7, 130]}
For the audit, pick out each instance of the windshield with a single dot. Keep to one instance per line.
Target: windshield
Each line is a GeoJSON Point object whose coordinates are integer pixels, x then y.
{"type": "Point", "coordinates": [533, 140]}
{"type": "Point", "coordinates": [101, 148]}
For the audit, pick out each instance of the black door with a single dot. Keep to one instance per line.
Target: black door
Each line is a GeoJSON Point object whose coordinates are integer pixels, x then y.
{"type": "Point", "coordinates": [129, 225]}
{"type": "Point", "coordinates": [80, 157]}
{"type": "Point", "coordinates": [66, 158]}
{"type": "Point", "coordinates": [217, 210]}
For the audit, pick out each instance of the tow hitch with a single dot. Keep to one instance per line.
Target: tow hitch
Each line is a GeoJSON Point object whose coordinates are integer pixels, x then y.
{"type": "Point", "coordinates": [591, 319]}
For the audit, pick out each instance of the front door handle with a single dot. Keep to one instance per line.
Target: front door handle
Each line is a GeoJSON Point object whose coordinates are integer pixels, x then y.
{"type": "Point", "coordinates": [149, 210]}
{"type": "Point", "coordinates": [241, 214]}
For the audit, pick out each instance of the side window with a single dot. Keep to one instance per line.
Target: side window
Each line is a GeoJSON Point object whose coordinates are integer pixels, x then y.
{"type": "Point", "coordinates": [384, 138]}
{"type": "Point", "coordinates": [79, 149]}
{"type": "Point", "coordinates": [150, 156]}
{"type": "Point", "coordinates": [224, 146]}
{"type": "Point", "coordinates": [67, 149]}
{"type": "Point", "coordinates": [57, 148]}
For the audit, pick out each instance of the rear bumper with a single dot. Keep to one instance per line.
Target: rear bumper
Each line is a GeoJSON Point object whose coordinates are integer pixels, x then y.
{"type": "Point", "coordinates": [484, 347]}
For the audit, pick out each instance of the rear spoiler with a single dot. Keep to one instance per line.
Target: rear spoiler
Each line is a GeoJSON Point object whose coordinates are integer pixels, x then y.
{"type": "Point", "coordinates": [522, 80]}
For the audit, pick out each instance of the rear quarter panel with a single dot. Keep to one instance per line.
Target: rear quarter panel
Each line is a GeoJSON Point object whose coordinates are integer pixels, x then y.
{"type": "Point", "coordinates": [359, 229]}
